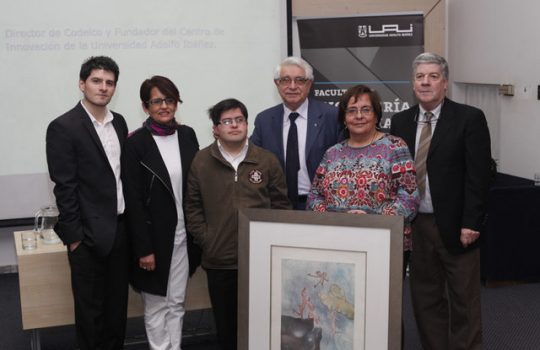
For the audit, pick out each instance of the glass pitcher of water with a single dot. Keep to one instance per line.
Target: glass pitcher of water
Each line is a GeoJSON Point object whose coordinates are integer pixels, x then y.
{"type": "Point", "coordinates": [44, 222]}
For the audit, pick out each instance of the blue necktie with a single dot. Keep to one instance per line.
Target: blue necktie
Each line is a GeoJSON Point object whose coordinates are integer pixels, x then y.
{"type": "Point", "coordinates": [292, 160]}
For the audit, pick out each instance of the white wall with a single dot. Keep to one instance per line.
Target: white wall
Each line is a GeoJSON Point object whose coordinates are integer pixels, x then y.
{"type": "Point", "coordinates": [496, 42]}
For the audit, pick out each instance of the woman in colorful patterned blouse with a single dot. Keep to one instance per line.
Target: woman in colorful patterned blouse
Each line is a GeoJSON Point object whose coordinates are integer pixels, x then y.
{"type": "Point", "coordinates": [370, 171]}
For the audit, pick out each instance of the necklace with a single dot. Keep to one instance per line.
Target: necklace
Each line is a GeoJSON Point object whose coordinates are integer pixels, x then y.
{"type": "Point", "coordinates": [352, 143]}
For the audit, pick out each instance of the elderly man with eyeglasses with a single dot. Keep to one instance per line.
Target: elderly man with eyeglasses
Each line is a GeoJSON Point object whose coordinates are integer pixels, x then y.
{"type": "Point", "coordinates": [299, 130]}
{"type": "Point", "coordinates": [230, 174]}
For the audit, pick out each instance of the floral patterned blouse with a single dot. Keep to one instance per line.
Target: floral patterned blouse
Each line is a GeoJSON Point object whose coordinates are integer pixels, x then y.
{"type": "Point", "coordinates": [379, 178]}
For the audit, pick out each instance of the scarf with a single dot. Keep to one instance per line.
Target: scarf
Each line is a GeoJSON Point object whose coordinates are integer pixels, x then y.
{"type": "Point", "coordinates": [158, 129]}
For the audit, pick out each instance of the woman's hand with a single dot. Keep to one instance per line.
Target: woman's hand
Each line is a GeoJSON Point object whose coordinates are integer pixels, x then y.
{"type": "Point", "coordinates": [356, 211]}
{"type": "Point", "coordinates": [148, 262]}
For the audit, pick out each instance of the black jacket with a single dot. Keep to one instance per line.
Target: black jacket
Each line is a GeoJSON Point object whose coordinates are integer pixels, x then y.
{"type": "Point", "coordinates": [85, 186]}
{"type": "Point", "coordinates": [150, 206]}
{"type": "Point", "coordinates": [458, 166]}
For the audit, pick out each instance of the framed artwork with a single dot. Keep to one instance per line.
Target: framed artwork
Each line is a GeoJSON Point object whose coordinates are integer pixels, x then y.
{"type": "Point", "coordinates": [319, 280]}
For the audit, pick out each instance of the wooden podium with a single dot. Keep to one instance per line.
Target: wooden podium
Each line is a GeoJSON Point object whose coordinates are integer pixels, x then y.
{"type": "Point", "coordinates": [45, 289]}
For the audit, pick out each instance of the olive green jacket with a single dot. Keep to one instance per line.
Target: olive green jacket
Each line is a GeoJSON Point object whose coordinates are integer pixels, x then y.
{"type": "Point", "coordinates": [215, 193]}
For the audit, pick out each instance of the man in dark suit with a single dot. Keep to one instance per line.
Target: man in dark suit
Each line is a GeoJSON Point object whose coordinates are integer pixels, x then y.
{"type": "Point", "coordinates": [314, 129]}
{"type": "Point", "coordinates": [451, 146]}
{"type": "Point", "coordinates": [83, 155]}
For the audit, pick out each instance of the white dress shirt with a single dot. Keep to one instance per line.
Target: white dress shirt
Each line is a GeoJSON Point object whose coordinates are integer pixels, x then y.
{"type": "Point", "coordinates": [234, 160]}
{"type": "Point", "coordinates": [109, 140]}
{"type": "Point", "coordinates": [426, 205]}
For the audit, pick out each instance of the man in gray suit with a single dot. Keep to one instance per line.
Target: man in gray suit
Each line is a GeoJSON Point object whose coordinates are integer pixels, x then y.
{"type": "Point", "coordinates": [299, 130]}
{"type": "Point", "coordinates": [83, 155]}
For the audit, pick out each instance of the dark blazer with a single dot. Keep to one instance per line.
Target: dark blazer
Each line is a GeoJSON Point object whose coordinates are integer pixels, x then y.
{"type": "Point", "coordinates": [151, 208]}
{"type": "Point", "coordinates": [322, 133]}
{"type": "Point", "coordinates": [85, 186]}
{"type": "Point", "coordinates": [458, 167]}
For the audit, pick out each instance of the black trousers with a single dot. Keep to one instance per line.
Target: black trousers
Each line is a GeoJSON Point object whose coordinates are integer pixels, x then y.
{"type": "Point", "coordinates": [223, 290]}
{"type": "Point", "coordinates": [301, 203]}
{"type": "Point", "coordinates": [100, 294]}
{"type": "Point", "coordinates": [406, 258]}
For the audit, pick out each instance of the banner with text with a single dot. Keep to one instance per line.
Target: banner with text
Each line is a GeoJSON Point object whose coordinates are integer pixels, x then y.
{"type": "Point", "coordinates": [376, 51]}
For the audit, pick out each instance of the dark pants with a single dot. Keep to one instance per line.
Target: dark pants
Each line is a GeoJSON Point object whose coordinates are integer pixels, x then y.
{"type": "Point", "coordinates": [100, 293]}
{"type": "Point", "coordinates": [406, 258]}
{"type": "Point", "coordinates": [445, 290]}
{"type": "Point", "coordinates": [301, 202]}
{"type": "Point", "coordinates": [223, 290]}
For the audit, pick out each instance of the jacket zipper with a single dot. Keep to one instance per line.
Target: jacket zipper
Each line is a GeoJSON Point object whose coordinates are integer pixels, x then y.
{"type": "Point", "coordinates": [150, 190]}
{"type": "Point", "coordinates": [159, 178]}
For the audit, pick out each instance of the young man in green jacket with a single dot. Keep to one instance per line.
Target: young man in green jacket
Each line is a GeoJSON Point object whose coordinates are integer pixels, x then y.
{"type": "Point", "coordinates": [230, 174]}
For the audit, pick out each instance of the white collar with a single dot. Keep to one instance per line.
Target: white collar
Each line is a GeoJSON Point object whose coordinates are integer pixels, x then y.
{"type": "Point", "coordinates": [436, 112]}
{"type": "Point", "coordinates": [302, 110]}
{"type": "Point", "coordinates": [108, 117]}
{"type": "Point", "coordinates": [223, 150]}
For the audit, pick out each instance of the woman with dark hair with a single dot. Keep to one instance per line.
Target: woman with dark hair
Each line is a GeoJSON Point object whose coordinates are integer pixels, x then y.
{"type": "Point", "coordinates": [370, 171]}
{"type": "Point", "coordinates": [156, 161]}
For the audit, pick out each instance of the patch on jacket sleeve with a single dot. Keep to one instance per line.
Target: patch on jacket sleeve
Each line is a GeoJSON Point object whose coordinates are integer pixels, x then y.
{"type": "Point", "coordinates": [255, 176]}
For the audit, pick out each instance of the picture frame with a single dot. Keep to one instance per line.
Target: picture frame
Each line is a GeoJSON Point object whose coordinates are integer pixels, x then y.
{"type": "Point", "coordinates": [319, 280]}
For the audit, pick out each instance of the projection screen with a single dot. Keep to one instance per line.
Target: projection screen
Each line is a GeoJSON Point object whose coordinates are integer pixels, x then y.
{"type": "Point", "coordinates": [211, 49]}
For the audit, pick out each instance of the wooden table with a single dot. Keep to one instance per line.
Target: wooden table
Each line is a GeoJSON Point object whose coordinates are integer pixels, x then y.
{"type": "Point", "coordinates": [45, 289]}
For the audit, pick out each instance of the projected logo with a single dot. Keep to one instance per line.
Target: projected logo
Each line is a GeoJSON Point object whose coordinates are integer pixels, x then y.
{"type": "Point", "coordinates": [385, 31]}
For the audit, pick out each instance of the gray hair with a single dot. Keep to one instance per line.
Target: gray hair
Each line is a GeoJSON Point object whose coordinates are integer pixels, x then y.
{"type": "Point", "coordinates": [294, 61]}
{"type": "Point", "coordinates": [431, 58]}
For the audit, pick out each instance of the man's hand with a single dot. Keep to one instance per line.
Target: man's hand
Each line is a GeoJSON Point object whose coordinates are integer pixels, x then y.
{"type": "Point", "coordinates": [148, 262]}
{"type": "Point", "coordinates": [468, 236]}
{"type": "Point", "coordinates": [74, 245]}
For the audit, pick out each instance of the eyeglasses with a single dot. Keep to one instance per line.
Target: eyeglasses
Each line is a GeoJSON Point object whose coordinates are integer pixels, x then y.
{"type": "Point", "coordinates": [230, 121]}
{"type": "Point", "coordinates": [367, 110]}
{"type": "Point", "coordinates": [159, 101]}
{"type": "Point", "coordinates": [286, 81]}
